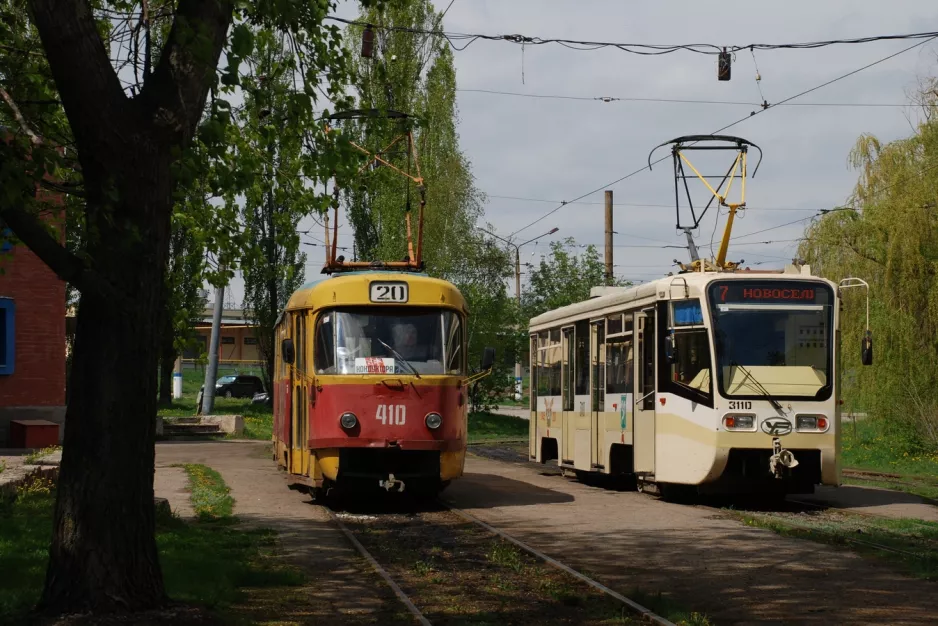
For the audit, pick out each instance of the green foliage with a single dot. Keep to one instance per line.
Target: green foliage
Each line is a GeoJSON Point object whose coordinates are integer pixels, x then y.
{"type": "Point", "coordinates": [871, 445]}
{"type": "Point", "coordinates": [564, 277]}
{"type": "Point", "coordinates": [415, 75]}
{"type": "Point", "coordinates": [25, 528]}
{"type": "Point", "coordinates": [889, 237]}
{"type": "Point", "coordinates": [273, 267]}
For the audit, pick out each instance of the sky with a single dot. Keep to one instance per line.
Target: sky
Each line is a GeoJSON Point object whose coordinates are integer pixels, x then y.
{"type": "Point", "coordinates": [529, 154]}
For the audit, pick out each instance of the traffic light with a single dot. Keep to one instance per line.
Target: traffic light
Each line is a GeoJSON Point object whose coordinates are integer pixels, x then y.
{"type": "Point", "coordinates": [724, 64]}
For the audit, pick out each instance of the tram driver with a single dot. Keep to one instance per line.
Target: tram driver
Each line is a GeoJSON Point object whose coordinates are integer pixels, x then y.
{"type": "Point", "coordinates": [405, 342]}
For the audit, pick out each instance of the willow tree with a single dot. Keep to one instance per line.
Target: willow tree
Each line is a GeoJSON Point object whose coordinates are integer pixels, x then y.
{"type": "Point", "coordinates": [414, 74]}
{"type": "Point", "coordinates": [888, 236]}
{"type": "Point", "coordinates": [133, 106]}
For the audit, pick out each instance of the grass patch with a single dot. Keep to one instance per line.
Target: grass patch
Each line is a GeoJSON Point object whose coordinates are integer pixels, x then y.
{"type": "Point", "coordinates": [915, 540]}
{"type": "Point", "coordinates": [25, 530]}
{"type": "Point", "coordinates": [35, 455]}
{"type": "Point", "coordinates": [489, 427]}
{"type": "Point", "coordinates": [210, 563]}
{"type": "Point", "coordinates": [3, 466]}
{"type": "Point", "coordinates": [210, 495]}
{"type": "Point", "coordinates": [870, 446]}
{"type": "Point", "coordinates": [907, 484]}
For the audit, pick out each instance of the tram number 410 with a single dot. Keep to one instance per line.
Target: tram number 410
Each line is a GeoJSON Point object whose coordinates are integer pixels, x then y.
{"type": "Point", "coordinates": [391, 414]}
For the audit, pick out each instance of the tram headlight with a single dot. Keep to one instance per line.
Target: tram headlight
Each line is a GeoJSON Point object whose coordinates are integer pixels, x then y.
{"type": "Point", "coordinates": [739, 422]}
{"type": "Point", "coordinates": [811, 423]}
{"type": "Point", "coordinates": [348, 421]}
{"type": "Point", "coordinates": [434, 420]}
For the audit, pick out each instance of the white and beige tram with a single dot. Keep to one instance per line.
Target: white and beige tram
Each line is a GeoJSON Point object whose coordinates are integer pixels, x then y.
{"type": "Point", "coordinates": [701, 382]}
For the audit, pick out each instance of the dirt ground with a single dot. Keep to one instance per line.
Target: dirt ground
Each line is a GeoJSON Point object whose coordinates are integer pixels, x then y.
{"type": "Point", "coordinates": [697, 556]}
{"type": "Point", "coordinates": [343, 590]}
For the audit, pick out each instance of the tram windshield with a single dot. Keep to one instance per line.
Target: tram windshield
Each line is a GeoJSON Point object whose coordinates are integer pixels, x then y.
{"type": "Point", "coordinates": [395, 340]}
{"type": "Point", "coordinates": [773, 338]}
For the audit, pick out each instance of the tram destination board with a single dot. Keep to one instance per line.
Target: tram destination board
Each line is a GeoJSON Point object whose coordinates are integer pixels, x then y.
{"type": "Point", "coordinates": [766, 292]}
{"type": "Point", "coordinates": [393, 291]}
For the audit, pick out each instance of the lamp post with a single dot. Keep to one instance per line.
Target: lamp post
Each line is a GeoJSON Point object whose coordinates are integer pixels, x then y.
{"type": "Point", "coordinates": [517, 248]}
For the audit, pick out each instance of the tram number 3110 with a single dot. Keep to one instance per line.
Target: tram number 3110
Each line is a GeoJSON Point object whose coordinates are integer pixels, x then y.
{"type": "Point", "coordinates": [391, 414]}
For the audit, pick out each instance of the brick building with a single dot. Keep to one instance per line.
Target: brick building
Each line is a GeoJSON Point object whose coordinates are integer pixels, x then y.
{"type": "Point", "coordinates": [32, 337]}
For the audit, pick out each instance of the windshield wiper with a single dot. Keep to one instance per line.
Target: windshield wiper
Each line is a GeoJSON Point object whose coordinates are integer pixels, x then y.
{"type": "Point", "coordinates": [398, 356]}
{"type": "Point", "coordinates": [759, 385]}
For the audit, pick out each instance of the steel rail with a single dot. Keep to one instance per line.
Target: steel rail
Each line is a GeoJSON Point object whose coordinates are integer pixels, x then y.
{"type": "Point", "coordinates": [381, 571]}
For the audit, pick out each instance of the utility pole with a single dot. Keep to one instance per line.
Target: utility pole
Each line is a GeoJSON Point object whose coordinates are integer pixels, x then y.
{"type": "Point", "coordinates": [518, 393]}
{"type": "Point", "coordinates": [177, 378]}
{"type": "Point", "coordinates": [609, 273]}
{"type": "Point", "coordinates": [517, 248]}
{"type": "Point", "coordinates": [207, 405]}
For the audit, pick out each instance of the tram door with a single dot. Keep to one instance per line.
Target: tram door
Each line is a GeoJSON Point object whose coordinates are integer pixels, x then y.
{"type": "Point", "coordinates": [299, 428]}
{"type": "Point", "coordinates": [567, 396]}
{"type": "Point", "coordinates": [597, 387]}
{"type": "Point", "coordinates": [644, 410]}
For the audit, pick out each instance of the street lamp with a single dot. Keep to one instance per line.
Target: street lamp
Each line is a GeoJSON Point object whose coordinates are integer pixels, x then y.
{"type": "Point", "coordinates": [517, 248]}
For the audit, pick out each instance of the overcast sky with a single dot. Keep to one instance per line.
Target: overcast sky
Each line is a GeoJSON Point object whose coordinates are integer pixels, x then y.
{"type": "Point", "coordinates": [553, 149]}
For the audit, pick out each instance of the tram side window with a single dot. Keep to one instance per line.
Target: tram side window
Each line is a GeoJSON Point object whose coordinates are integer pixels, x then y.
{"type": "Point", "coordinates": [543, 366]}
{"type": "Point", "coordinates": [568, 359]}
{"type": "Point", "coordinates": [599, 366]}
{"type": "Point", "coordinates": [619, 364]}
{"type": "Point", "coordinates": [688, 375]}
{"type": "Point", "coordinates": [549, 363]}
{"type": "Point", "coordinates": [582, 358]}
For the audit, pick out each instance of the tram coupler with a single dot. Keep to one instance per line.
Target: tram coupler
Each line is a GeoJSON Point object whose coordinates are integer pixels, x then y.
{"type": "Point", "coordinates": [780, 458]}
{"type": "Point", "coordinates": [390, 483]}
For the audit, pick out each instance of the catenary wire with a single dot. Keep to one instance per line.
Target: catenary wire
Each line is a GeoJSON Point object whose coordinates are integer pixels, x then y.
{"type": "Point", "coordinates": [739, 121]}
{"type": "Point", "coordinates": [608, 99]}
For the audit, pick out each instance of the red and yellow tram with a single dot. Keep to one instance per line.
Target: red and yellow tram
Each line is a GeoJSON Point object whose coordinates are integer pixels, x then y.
{"type": "Point", "coordinates": [371, 382]}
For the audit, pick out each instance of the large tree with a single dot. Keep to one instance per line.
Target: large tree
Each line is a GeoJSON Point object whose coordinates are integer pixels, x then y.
{"type": "Point", "coordinates": [415, 74]}
{"type": "Point", "coordinates": [563, 277]}
{"type": "Point", "coordinates": [133, 103]}
{"type": "Point", "coordinates": [184, 302]}
{"type": "Point", "coordinates": [888, 236]}
{"type": "Point", "coordinates": [276, 198]}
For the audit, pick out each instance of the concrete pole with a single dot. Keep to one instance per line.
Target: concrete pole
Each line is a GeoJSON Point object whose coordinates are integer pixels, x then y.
{"type": "Point", "coordinates": [518, 297]}
{"type": "Point", "coordinates": [177, 379]}
{"type": "Point", "coordinates": [609, 273]}
{"type": "Point", "coordinates": [208, 394]}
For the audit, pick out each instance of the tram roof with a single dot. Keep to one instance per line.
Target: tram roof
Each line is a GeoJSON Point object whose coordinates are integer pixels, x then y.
{"type": "Point", "coordinates": [352, 289]}
{"type": "Point", "coordinates": [612, 299]}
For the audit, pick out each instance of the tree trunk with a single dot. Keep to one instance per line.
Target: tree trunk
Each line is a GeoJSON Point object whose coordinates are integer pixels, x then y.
{"type": "Point", "coordinates": [103, 555]}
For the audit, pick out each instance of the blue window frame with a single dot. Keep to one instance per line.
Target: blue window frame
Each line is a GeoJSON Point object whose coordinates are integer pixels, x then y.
{"type": "Point", "coordinates": [7, 335]}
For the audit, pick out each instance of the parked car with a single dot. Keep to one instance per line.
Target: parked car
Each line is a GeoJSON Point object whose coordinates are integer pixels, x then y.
{"type": "Point", "coordinates": [240, 386]}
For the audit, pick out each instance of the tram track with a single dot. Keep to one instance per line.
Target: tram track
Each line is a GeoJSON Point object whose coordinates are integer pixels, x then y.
{"type": "Point", "coordinates": [408, 549]}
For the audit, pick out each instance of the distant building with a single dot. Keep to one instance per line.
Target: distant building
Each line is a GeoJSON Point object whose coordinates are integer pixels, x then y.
{"type": "Point", "coordinates": [238, 341]}
{"type": "Point", "coordinates": [32, 335]}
